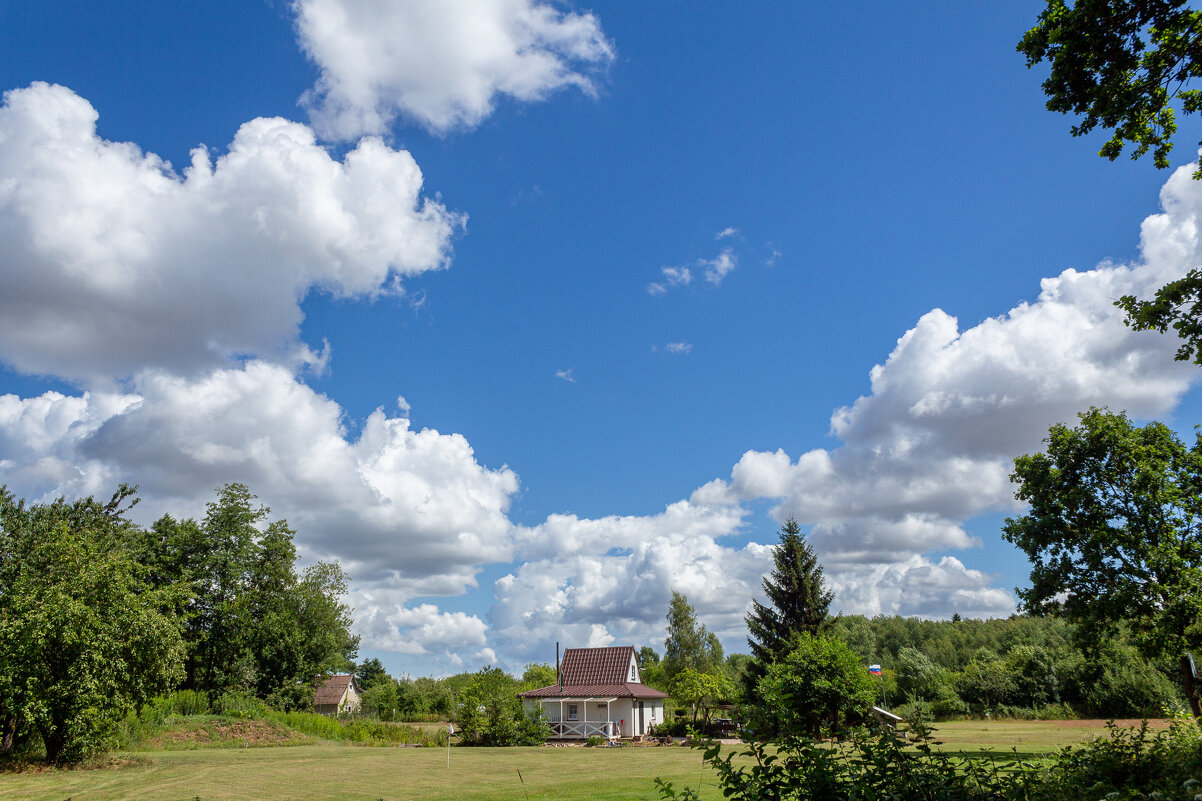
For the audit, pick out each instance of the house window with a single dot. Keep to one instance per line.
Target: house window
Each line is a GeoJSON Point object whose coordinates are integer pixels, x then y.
{"type": "Point", "coordinates": [633, 672]}
{"type": "Point", "coordinates": [571, 712]}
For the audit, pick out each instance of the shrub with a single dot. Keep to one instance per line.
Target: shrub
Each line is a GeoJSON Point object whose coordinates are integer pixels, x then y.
{"type": "Point", "coordinates": [594, 741]}
{"type": "Point", "coordinates": [239, 704]}
{"type": "Point", "coordinates": [1127, 764]}
{"type": "Point", "coordinates": [875, 766]}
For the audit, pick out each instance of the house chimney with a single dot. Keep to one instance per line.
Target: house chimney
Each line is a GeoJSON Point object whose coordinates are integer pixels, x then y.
{"type": "Point", "coordinates": [558, 678]}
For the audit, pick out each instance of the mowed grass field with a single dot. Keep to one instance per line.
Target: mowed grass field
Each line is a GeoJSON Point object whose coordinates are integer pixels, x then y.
{"type": "Point", "coordinates": [338, 772]}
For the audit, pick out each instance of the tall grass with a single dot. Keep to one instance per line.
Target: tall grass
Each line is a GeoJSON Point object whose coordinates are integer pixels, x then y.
{"type": "Point", "coordinates": [176, 709]}
{"type": "Point", "coordinates": [363, 731]}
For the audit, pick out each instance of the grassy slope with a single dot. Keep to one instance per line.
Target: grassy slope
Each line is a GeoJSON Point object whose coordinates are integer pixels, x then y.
{"type": "Point", "coordinates": [334, 772]}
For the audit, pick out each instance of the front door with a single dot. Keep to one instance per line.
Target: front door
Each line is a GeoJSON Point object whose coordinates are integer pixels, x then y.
{"type": "Point", "coordinates": [642, 722]}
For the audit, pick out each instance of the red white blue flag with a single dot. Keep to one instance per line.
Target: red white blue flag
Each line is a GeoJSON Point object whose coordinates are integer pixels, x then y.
{"type": "Point", "coordinates": [874, 670]}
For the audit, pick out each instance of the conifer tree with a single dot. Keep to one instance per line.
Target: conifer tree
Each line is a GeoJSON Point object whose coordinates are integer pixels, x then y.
{"type": "Point", "coordinates": [798, 602]}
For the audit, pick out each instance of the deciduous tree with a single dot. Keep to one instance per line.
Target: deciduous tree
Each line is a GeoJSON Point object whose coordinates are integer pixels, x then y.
{"type": "Point", "coordinates": [1121, 65]}
{"type": "Point", "coordinates": [819, 685]}
{"type": "Point", "coordinates": [83, 639]}
{"type": "Point", "coordinates": [688, 644]}
{"type": "Point", "coordinates": [1114, 533]}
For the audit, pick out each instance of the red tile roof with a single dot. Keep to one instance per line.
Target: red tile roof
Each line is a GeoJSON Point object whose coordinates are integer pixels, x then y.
{"type": "Point", "coordinates": [332, 691]}
{"type": "Point", "coordinates": [596, 672]}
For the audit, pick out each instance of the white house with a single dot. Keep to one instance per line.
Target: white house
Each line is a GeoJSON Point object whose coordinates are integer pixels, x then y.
{"type": "Point", "coordinates": [599, 693]}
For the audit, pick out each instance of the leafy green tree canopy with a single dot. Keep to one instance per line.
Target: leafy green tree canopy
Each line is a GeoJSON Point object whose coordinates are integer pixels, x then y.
{"type": "Point", "coordinates": [689, 644]}
{"type": "Point", "coordinates": [83, 638]}
{"type": "Point", "coordinates": [1121, 65]}
{"type": "Point", "coordinates": [537, 675]}
{"type": "Point", "coordinates": [1114, 533]}
{"type": "Point", "coordinates": [701, 691]}
{"type": "Point", "coordinates": [819, 685]}
{"type": "Point", "coordinates": [489, 713]}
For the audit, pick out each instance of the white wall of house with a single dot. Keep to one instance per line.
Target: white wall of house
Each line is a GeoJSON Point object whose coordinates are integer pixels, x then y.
{"type": "Point", "coordinates": [622, 712]}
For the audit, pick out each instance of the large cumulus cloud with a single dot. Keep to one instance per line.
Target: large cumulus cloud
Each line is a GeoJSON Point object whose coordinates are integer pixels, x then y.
{"type": "Point", "coordinates": [441, 63]}
{"type": "Point", "coordinates": [113, 263]}
{"type": "Point", "coordinates": [410, 510]}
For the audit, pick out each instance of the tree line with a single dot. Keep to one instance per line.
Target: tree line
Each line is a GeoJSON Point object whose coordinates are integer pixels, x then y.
{"type": "Point", "coordinates": [98, 614]}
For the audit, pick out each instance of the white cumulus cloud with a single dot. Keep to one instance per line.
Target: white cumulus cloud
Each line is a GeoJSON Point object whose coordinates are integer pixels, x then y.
{"type": "Point", "coordinates": [441, 63]}
{"type": "Point", "coordinates": [933, 445]}
{"type": "Point", "coordinates": [111, 262]}
{"type": "Point", "coordinates": [410, 510]}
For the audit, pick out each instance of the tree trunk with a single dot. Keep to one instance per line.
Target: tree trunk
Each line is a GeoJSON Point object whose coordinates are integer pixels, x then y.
{"type": "Point", "coordinates": [1190, 685]}
{"type": "Point", "coordinates": [10, 735]}
{"type": "Point", "coordinates": [53, 741]}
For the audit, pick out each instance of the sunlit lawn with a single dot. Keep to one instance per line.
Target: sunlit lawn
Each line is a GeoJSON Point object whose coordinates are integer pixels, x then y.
{"type": "Point", "coordinates": [329, 772]}
{"type": "Point", "coordinates": [334, 771]}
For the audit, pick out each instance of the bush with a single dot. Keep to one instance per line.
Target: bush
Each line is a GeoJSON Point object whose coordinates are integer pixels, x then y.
{"type": "Point", "coordinates": [875, 766]}
{"type": "Point", "coordinates": [1127, 764]}
{"type": "Point", "coordinates": [677, 728]}
{"type": "Point", "coordinates": [594, 741]}
{"type": "Point", "coordinates": [1130, 763]}
{"type": "Point", "coordinates": [239, 704]}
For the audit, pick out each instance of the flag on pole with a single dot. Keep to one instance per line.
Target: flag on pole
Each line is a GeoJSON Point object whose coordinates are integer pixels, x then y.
{"type": "Point", "coordinates": [874, 670]}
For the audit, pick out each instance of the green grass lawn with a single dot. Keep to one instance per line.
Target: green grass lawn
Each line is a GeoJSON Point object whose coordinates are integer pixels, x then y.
{"type": "Point", "coordinates": [330, 772]}
{"type": "Point", "coordinates": [334, 771]}
{"type": "Point", "coordinates": [1028, 739]}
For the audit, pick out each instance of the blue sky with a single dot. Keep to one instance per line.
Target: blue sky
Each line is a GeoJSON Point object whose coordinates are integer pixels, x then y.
{"type": "Point", "coordinates": [531, 313]}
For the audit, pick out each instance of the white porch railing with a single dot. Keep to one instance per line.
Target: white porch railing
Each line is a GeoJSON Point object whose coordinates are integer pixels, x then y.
{"type": "Point", "coordinates": [582, 728]}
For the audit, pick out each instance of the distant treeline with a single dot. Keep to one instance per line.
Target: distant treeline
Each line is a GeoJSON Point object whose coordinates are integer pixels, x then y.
{"type": "Point", "coordinates": [1018, 666]}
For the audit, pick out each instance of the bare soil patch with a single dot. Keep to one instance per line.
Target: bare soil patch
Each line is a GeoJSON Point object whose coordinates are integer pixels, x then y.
{"type": "Point", "coordinates": [227, 734]}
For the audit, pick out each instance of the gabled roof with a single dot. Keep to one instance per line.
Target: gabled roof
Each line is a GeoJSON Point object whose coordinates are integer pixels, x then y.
{"type": "Point", "coordinates": [332, 691]}
{"type": "Point", "coordinates": [596, 673]}
{"type": "Point", "coordinates": [596, 665]}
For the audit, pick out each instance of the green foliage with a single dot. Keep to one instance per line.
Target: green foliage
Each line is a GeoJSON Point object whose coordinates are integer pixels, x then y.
{"type": "Point", "coordinates": [1176, 305]}
{"type": "Point", "coordinates": [820, 686]}
{"type": "Point", "coordinates": [797, 603]}
{"type": "Point", "coordinates": [689, 644]}
{"type": "Point", "coordinates": [381, 700]}
{"type": "Point", "coordinates": [1127, 764]}
{"type": "Point", "coordinates": [651, 669]}
{"type": "Point", "coordinates": [369, 673]}
{"type": "Point", "coordinates": [239, 704]}
{"type": "Point", "coordinates": [1120, 64]}
{"type": "Point", "coordinates": [594, 741]}
{"type": "Point", "coordinates": [920, 679]}
{"type": "Point", "coordinates": [1114, 533]}
{"type": "Point", "coordinates": [83, 639]}
{"type": "Point", "coordinates": [489, 713]}
{"type": "Point", "coordinates": [424, 698]}
{"type": "Point", "coordinates": [872, 766]}
{"type": "Point", "coordinates": [250, 620]}
{"type": "Point", "coordinates": [180, 702]}
{"type": "Point", "coordinates": [536, 676]}
{"type": "Point", "coordinates": [701, 691]}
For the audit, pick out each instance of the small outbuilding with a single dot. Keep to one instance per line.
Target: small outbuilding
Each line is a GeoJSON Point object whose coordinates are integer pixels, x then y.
{"type": "Point", "coordinates": [338, 695]}
{"type": "Point", "coordinates": [599, 694]}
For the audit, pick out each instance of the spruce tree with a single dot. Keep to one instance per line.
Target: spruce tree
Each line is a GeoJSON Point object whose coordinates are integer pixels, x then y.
{"type": "Point", "coordinates": [798, 602]}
